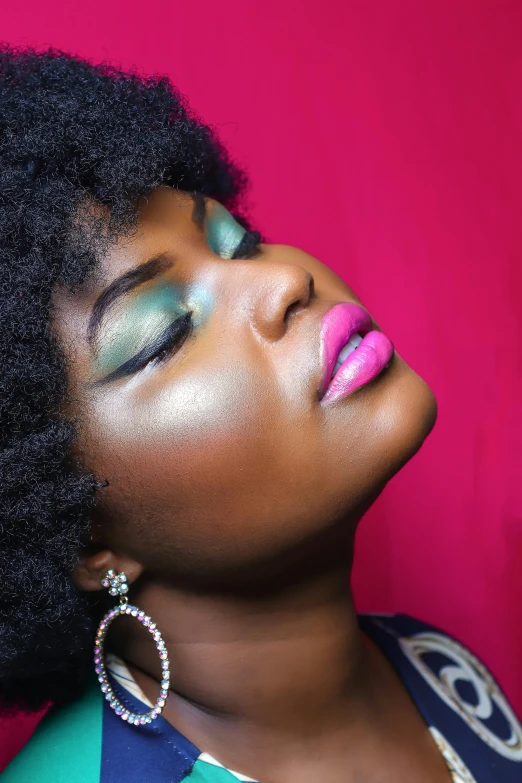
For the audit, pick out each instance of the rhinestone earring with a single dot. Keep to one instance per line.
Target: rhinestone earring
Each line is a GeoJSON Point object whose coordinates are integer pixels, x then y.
{"type": "Point", "coordinates": [117, 585]}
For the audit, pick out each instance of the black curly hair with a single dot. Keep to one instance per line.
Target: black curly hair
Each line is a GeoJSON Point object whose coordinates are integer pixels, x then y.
{"type": "Point", "coordinates": [71, 134]}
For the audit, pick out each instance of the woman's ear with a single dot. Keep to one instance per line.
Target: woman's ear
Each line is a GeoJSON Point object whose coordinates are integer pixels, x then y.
{"type": "Point", "coordinates": [94, 562]}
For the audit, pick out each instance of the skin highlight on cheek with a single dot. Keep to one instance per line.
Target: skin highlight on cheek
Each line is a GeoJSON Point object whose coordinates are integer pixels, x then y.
{"type": "Point", "coordinates": [191, 411]}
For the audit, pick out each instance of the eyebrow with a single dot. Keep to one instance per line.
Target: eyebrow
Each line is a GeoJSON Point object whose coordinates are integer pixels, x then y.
{"type": "Point", "coordinates": [135, 277]}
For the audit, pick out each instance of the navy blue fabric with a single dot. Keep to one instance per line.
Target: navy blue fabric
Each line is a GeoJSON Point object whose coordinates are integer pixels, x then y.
{"type": "Point", "coordinates": [154, 753]}
{"type": "Point", "coordinates": [483, 761]}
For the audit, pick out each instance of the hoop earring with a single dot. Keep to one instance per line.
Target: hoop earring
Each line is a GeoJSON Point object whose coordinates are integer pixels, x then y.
{"type": "Point", "coordinates": [117, 585]}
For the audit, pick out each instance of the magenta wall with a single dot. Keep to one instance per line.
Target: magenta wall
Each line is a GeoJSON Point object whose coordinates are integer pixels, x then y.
{"type": "Point", "coordinates": [384, 137]}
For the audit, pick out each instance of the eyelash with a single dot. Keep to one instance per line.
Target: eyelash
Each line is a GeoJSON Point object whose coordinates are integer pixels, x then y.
{"type": "Point", "coordinates": [172, 338]}
{"type": "Point", "coordinates": [178, 331]}
{"type": "Point", "coordinates": [249, 247]}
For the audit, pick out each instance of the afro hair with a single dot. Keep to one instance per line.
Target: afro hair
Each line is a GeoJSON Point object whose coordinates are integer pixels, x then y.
{"type": "Point", "coordinates": [71, 134]}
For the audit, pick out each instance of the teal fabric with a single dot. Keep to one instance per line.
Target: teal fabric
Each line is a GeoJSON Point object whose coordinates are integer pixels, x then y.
{"type": "Point", "coordinates": [66, 746]}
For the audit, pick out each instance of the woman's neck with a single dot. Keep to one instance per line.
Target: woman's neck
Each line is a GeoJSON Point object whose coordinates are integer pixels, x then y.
{"type": "Point", "coordinates": [282, 688]}
{"type": "Point", "coordinates": [270, 662]}
{"type": "Point", "coordinates": [291, 665]}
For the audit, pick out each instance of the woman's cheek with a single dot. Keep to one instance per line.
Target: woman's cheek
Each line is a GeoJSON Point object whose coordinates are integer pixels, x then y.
{"type": "Point", "coordinates": [197, 406]}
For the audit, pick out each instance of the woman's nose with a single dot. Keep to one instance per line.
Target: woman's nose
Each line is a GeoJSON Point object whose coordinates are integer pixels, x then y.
{"type": "Point", "coordinates": [277, 293]}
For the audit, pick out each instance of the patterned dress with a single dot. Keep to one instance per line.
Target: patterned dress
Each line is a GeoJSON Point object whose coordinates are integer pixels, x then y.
{"type": "Point", "coordinates": [469, 718]}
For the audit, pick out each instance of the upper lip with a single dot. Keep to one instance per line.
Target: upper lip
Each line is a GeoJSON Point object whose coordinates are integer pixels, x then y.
{"type": "Point", "coordinates": [340, 323]}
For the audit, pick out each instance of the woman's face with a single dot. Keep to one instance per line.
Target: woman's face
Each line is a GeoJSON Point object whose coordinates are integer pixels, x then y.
{"type": "Point", "coordinates": [219, 451]}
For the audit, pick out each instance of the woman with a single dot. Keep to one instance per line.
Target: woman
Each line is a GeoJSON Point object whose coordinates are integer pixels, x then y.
{"type": "Point", "coordinates": [197, 422]}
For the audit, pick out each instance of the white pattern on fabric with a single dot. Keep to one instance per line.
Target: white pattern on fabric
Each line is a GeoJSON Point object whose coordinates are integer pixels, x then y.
{"type": "Point", "coordinates": [123, 677]}
{"type": "Point", "coordinates": [208, 759]}
{"type": "Point", "coordinates": [465, 667]}
{"type": "Point", "coordinates": [458, 770]}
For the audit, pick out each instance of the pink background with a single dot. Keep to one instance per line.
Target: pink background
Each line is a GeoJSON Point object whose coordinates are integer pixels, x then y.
{"type": "Point", "coordinates": [385, 138]}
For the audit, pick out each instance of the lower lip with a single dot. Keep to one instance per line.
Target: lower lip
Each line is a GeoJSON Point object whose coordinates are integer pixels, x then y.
{"type": "Point", "coordinates": [364, 364]}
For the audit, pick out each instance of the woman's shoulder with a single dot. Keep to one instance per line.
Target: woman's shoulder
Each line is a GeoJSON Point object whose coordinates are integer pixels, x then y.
{"type": "Point", "coordinates": [465, 709]}
{"type": "Point", "coordinates": [66, 746]}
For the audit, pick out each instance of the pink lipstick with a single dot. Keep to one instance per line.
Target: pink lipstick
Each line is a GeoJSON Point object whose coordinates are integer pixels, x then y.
{"type": "Point", "coordinates": [353, 352]}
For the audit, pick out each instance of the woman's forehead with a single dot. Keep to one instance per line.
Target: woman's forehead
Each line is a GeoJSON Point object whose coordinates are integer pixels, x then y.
{"type": "Point", "coordinates": [163, 213]}
{"type": "Point", "coordinates": [163, 216]}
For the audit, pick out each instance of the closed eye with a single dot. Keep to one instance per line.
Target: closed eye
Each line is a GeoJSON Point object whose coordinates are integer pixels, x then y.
{"type": "Point", "coordinates": [226, 236]}
{"type": "Point", "coordinates": [166, 344]}
{"type": "Point", "coordinates": [249, 247]}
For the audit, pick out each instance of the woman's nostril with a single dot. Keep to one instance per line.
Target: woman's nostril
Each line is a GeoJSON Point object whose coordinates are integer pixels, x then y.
{"type": "Point", "coordinates": [285, 291]}
{"type": "Point", "coordinates": [303, 301]}
{"type": "Point", "coordinates": [311, 287]}
{"type": "Point", "coordinates": [293, 309]}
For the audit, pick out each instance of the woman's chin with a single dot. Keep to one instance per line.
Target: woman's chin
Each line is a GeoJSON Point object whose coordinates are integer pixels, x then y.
{"type": "Point", "coordinates": [397, 413]}
{"type": "Point", "coordinates": [410, 413]}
